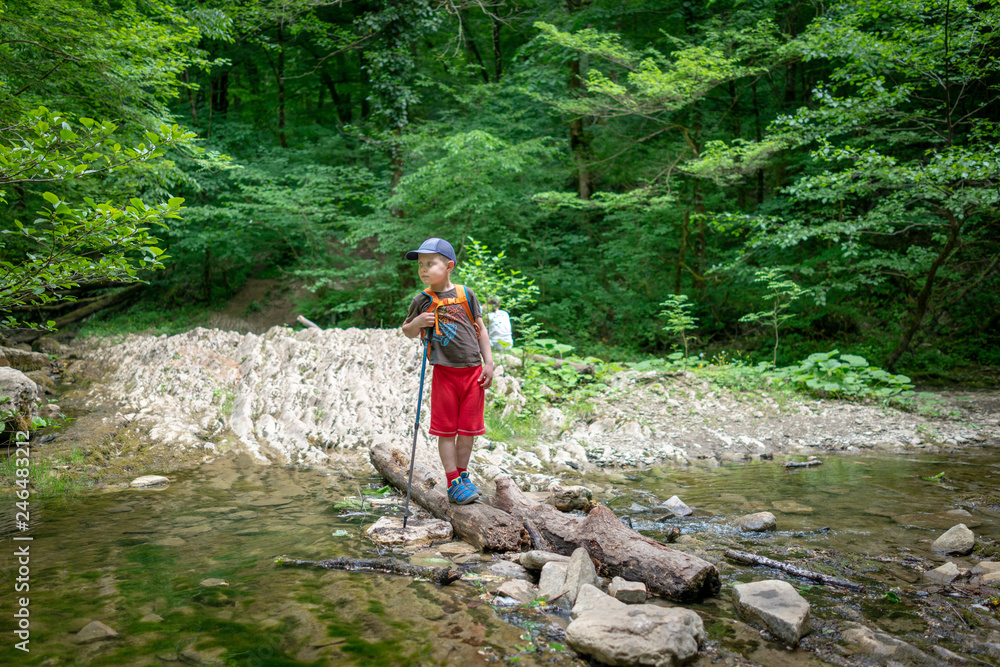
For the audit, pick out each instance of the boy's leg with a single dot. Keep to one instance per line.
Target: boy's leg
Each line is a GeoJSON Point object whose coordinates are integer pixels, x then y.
{"type": "Point", "coordinates": [463, 450]}
{"type": "Point", "coordinates": [448, 452]}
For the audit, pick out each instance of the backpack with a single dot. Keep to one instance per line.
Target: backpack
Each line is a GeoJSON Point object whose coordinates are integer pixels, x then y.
{"type": "Point", "coordinates": [461, 296]}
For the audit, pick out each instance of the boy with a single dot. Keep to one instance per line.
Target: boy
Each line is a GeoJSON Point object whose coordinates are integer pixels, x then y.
{"type": "Point", "coordinates": [462, 359]}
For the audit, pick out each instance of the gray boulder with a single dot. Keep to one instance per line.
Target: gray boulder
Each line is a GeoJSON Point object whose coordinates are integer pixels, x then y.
{"type": "Point", "coordinates": [630, 592]}
{"type": "Point", "coordinates": [579, 571]}
{"type": "Point", "coordinates": [591, 598]}
{"type": "Point", "coordinates": [536, 560]}
{"type": "Point", "coordinates": [677, 506]}
{"type": "Point", "coordinates": [776, 606]}
{"type": "Point", "coordinates": [569, 498]}
{"type": "Point", "coordinates": [757, 522]}
{"type": "Point", "coordinates": [638, 635]}
{"type": "Point", "coordinates": [958, 541]}
{"type": "Point", "coordinates": [986, 567]}
{"type": "Point", "coordinates": [884, 648]}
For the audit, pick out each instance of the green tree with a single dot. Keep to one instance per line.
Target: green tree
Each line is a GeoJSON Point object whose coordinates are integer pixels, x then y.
{"type": "Point", "coordinates": [782, 294]}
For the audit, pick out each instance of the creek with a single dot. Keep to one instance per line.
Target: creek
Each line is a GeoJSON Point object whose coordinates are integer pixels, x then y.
{"type": "Point", "coordinates": [138, 561]}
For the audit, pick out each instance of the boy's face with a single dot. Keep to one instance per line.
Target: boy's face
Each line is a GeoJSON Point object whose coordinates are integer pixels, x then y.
{"type": "Point", "coordinates": [434, 268]}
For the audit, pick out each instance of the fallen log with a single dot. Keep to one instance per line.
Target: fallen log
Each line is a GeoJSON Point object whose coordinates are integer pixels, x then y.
{"type": "Point", "coordinates": [617, 549]}
{"type": "Point", "coordinates": [481, 525]}
{"type": "Point", "coordinates": [754, 559]}
{"type": "Point", "coordinates": [439, 575]}
{"type": "Point", "coordinates": [803, 464]}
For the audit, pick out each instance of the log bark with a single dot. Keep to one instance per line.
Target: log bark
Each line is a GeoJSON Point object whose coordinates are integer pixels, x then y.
{"type": "Point", "coordinates": [480, 525]}
{"type": "Point", "coordinates": [100, 304]}
{"type": "Point", "coordinates": [803, 464]}
{"type": "Point", "coordinates": [308, 323]}
{"type": "Point", "coordinates": [439, 575]}
{"type": "Point", "coordinates": [754, 559]}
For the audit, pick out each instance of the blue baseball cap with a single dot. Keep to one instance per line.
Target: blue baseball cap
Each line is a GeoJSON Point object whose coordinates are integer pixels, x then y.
{"type": "Point", "coordinates": [440, 246]}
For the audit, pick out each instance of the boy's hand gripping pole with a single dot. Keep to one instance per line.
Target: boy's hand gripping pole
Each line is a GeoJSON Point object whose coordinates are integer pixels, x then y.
{"type": "Point", "coordinates": [416, 425]}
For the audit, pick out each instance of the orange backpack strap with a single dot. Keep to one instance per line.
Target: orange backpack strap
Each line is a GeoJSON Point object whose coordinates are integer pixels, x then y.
{"type": "Point", "coordinates": [461, 296]}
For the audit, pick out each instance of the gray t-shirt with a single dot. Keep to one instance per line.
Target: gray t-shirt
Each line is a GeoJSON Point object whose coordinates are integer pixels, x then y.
{"type": "Point", "coordinates": [457, 346]}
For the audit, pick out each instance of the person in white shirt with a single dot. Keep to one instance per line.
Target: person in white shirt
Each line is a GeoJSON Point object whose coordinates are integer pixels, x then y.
{"type": "Point", "coordinates": [498, 325]}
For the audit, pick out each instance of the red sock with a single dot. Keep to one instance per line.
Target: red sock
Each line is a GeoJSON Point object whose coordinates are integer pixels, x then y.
{"type": "Point", "coordinates": [451, 476]}
{"type": "Point", "coordinates": [461, 470]}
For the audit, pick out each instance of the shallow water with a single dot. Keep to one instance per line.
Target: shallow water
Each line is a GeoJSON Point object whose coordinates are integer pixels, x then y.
{"type": "Point", "coordinates": [120, 557]}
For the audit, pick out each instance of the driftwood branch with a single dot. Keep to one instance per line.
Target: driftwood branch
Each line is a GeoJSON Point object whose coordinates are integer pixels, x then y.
{"type": "Point", "coordinates": [753, 559]}
{"type": "Point", "coordinates": [439, 575]}
{"type": "Point", "coordinates": [308, 323]}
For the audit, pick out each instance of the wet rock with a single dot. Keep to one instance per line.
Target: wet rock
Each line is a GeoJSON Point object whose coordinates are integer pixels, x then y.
{"type": "Point", "coordinates": [936, 520]}
{"type": "Point", "coordinates": [119, 509]}
{"type": "Point", "coordinates": [149, 481]}
{"type": "Point", "coordinates": [212, 656]}
{"type": "Point", "coordinates": [638, 635]}
{"type": "Point", "coordinates": [389, 531]}
{"type": "Point", "coordinates": [884, 647]}
{"type": "Point", "coordinates": [23, 392]}
{"type": "Point", "coordinates": [20, 360]}
{"type": "Point", "coordinates": [213, 582]}
{"type": "Point", "coordinates": [629, 592]}
{"type": "Point", "coordinates": [579, 571]}
{"type": "Point", "coordinates": [93, 632]}
{"type": "Point", "coordinates": [986, 567]}
{"type": "Point", "coordinates": [791, 507]}
{"type": "Point", "coordinates": [151, 618]}
{"type": "Point", "coordinates": [958, 540]}
{"type": "Point", "coordinates": [456, 548]}
{"type": "Point", "coordinates": [757, 522]}
{"type": "Point", "coordinates": [776, 605]}
{"type": "Point", "coordinates": [510, 570]}
{"type": "Point", "coordinates": [945, 574]}
{"type": "Point", "coordinates": [570, 498]}
{"type": "Point", "coordinates": [677, 506]}
{"type": "Point", "coordinates": [520, 590]}
{"type": "Point", "coordinates": [552, 583]}
{"type": "Point", "coordinates": [48, 345]}
{"type": "Point", "coordinates": [536, 559]}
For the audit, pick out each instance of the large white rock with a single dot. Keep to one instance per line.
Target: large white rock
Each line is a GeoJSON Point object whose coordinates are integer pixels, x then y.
{"type": "Point", "coordinates": [944, 574]}
{"type": "Point", "coordinates": [518, 589]}
{"type": "Point", "coordinates": [389, 531]}
{"type": "Point", "coordinates": [22, 391]}
{"type": "Point", "coordinates": [149, 481]}
{"type": "Point", "coordinates": [638, 635]}
{"type": "Point", "coordinates": [775, 605]}
{"type": "Point", "coordinates": [957, 541]}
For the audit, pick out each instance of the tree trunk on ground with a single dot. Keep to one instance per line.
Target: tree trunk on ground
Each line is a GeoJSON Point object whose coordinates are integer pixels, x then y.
{"type": "Point", "coordinates": [480, 525]}
{"type": "Point", "coordinates": [80, 313]}
{"type": "Point", "coordinates": [499, 523]}
{"type": "Point", "coordinates": [617, 549]}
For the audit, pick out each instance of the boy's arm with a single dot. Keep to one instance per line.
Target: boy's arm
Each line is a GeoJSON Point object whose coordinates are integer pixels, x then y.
{"type": "Point", "coordinates": [411, 328]}
{"type": "Point", "coordinates": [486, 379]}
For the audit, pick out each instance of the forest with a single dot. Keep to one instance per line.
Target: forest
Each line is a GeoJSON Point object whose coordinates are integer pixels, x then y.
{"type": "Point", "coordinates": [634, 178]}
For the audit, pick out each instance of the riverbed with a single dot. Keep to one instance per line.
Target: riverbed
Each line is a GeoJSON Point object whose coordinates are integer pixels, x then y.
{"type": "Point", "coordinates": [186, 574]}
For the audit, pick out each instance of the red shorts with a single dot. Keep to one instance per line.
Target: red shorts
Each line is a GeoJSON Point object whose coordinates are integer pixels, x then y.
{"type": "Point", "coordinates": [457, 402]}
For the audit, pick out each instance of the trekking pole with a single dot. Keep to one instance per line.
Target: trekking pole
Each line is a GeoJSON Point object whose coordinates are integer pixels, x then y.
{"type": "Point", "coordinates": [416, 426]}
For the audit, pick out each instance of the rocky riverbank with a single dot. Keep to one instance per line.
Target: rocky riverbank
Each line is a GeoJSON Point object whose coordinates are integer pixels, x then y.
{"type": "Point", "coordinates": [322, 398]}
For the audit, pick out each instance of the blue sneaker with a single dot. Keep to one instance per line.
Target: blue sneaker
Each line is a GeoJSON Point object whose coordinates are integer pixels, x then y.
{"type": "Point", "coordinates": [460, 494]}
{"type": "Point", "coordinates": [465, 479]}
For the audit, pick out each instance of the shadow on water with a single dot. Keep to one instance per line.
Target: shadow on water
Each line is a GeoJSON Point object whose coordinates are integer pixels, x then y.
{"type": "Point", "coordinates": [138, 561]}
